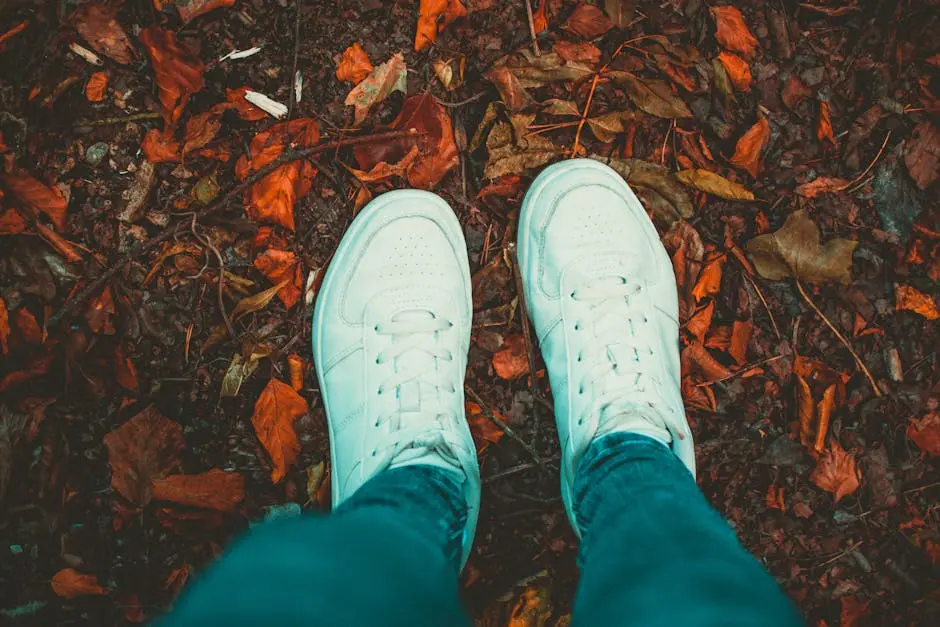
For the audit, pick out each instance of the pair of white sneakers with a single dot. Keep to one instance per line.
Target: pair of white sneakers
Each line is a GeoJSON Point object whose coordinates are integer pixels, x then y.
{"type": "Point", "coordinates": [391, 329]}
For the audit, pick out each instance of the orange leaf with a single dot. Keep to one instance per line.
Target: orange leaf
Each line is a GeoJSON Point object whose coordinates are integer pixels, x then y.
{"type": "Point", "coordinates": [275, 412]}
{"type": "Point", "coordinates": [740, 338]}
{"type": "Point", "coordinates": [432, 12]}
{"type": "Point", "coordinates": [161, 146]}
{"type": "Point", "coordinates": [37, 196]}
{"type": "Point", "coordinates": [99, 311]}
{"type": "Point", "coordinates": [700, 321]}
{"type": "Point", "coordinates": [806, 409]}
{"type": "Point", "coordinates": [201, 129]}
{"type": "Point", "coordinates": [913, 300]}
{"type": "Point", "coordinates": [823, 412]}
{"type": "Point", "coordinates": [540, 17]}
{"type": "Point", "coordinates": [698, 396]}
{"type": "Point", "coordinates": [836, 472]}
{"type": "Point", "coordinates": [295, 364]}
{"type": "Point", "coordinates": [62, 246]}
{"type": "Point", "coordinates": [775, 498]}
{"type": "Point", "coordinates": [851, 611]}
{"type": "Point", "coordinates": [794, 92]}
{"type": "Point", "coordinates": [144, 448]}
{"type": "Point", "coordinates": [588, 21]}
{"type": "Point", "coordinates": [709, 281]}
{"type": "Point", "coordinates": [383, 171]}
{"type": "Point", "coordinates": [732, 32]}
{"type": "Point", "coordinates": [280, 266]}
{"type": "Point", "coordinates": [821, 185]}
{"type": "Point", "coordinates": [10, 34]}
{"type": "Point", "coordinates": [482, 428]}
{"type": "Point", "coordinates": [124, 371]}
{"type": "Point", "coordinates": [28, 327]}
{"type": "Point", "coordinates": [925, 433]}
{"type": "Point", "coordinates": [355, 65]}
{"type": "Point", "coordinates": [69, 583]}
{"type": "Point", "coordinates": [584, 52]}
{"type": "Point", "coordinates": [696, 358]}
{"type": "Point", "coordinates": [748, 149]}
{"type": "Point", "coordinates": [738, 70]}
{"type": "Point", "coordinates": [12, 222]}
{"type": "Point", "coordinates": [214, 489]}
{"type": "Point", "coordinates": [178, 71]}
{"type": "Point", "coordinates": [244, 109]}
{"type": "Point", "coordinates": [719, 338]}
{"type": "Point", "coordinates": [96, 87]}
{"type": "Point", "coordinates": [512, 361]}
{"type": "Point", "coordinates": [824, 124]}
{"type": "Point", "coordinates": [36, 367]}
{"type": "Point", "coordinates": [4, 327]}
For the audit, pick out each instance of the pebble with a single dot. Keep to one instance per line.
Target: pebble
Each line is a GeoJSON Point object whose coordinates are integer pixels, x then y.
{"type": "Point", "coordinates": [96, 154]}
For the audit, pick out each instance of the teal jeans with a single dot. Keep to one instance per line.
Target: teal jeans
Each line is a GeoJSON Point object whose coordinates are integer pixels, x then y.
{"type": "Point", "coordinates": [653, 554]}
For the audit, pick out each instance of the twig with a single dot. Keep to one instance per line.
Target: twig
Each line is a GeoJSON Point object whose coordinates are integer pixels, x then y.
{"type": "Point", "coordinates": [220, 291]}
{"type": "Point", "coordinates": [587, 109]}
{"type": "Point", "coordinates": [147, 115]}
{"type": "Point", "coordinates": [293, 75]}
{"type": "Point", "coordinates": [502, 425]}
{"type": "Point", "coordinates": [868, 169]}
{"type": "Point", "coordinates": [743, 370]}
{"type": "Point", "coordinates": [174, 229]}
{"type": "Point", "coordinates": [842, 554]}
{"type": "Point", "coordinates": [535, 41]}
{"type": "Point", "coordinates": [515, 470]}
{"type": "Point", "coordinates": [845, 342]}
{"type": "Point", "coordinates": [460, 103]}
{"type": "Point", "coordinates": [773, 322]}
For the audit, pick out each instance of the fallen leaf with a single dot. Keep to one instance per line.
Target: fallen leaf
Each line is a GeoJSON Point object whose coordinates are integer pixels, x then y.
{"type": "Point", "coordinates": [512, 361]}
{"type": "Point", "coordinates": [653, 96]}
{"type": "Point", "coordinates": [275, 412]}
{"type": "Point", "coordinates": [698, 396]}
{"type": "Point", "coordinates": [700, 321]}
{"type": "Point", "coordinates": [383, 171]}
{"type": "Point", "coordinates": [515, 73]}
{"type": "Point", "coordinates": [35, 367]}
{"type": "Point", "coordinates": [748, 149]}
{"type": "Point", "coordinates": [672, 198]}
{"type": "Point", "coordinates": [852, 608]}
{"type": "Point", "coordinates": [355, 65]}
{"type": "Point", "coordinates": [68, 583]}
{"type": "Point", "coordinates": [740, 338]}
{"type": "Point", "coordinates": [824, 131]}
{"type": "Point", "coordinates": [96, 87]}
{"type": "Point", "coordinates": [430, 14]}
{"type": "Point", "coordinates": [296, 366]}
{"type": "Point", "coordinates": [28, 327]}
{"type": "Point", "coordinates": [738, 70]}
{"type": "Point", "coordinates": [620, 12]}
{"type": "Point", "coordinates": [795, 91]}
{"type": "Point", "coordinates": [99, 312]}
{"type": "Point", "coordinates": [687, 253]}
{"type": "Point", "coordinates": [732, 32]}
{"type": "Point", "coordinates": [508, 157]}
{"type": "Point", "coordinates": [821, 185]}
{"type": "Point", "coordinates": [533, 606]}
{"type": "Point", "coordinates": [836, 472]}
{"type": "Point", "coordinates": [214, 489]}
{"type": "Point", "coordinates": [388, 77]}
{"type": "Point", "coordinates": [179, 73]}
{"type": "Point", "coordinates": [37, 197]}
{"type": "Point", "coordinates": [124, 371]}
{"type": "Point", "coordinates": [795, 250]}
{"type": "Point", "coordinates": [244, 109]}
{"type": "Point", "coordinates": [97, 23]}
{"type": "Point", "coordinates": [282, 267]}
{"type": "Point", "coordinates": [925, 433]}
{"type": "Point", "coordinates": [775, 498]}
{"type": "Point", "coordinates": [11, 33]}
{"type": "Point", "coordinates": [581, 52]}
{"type": "Point", "coordinates": [607, 126]}
{"type": "Point", "coordinates": [191, 9]}
{"type": "Point", "coordinates": [12, 222]}
{"type": "Point", "coordinates": [144, 448]}
{"type": "Point", "coordinates": [714, 184]}
{"type": "Point", "coordinates": [695, 358]}
{"type": "Point", "coordinates": [911, 299]}
{"type": "Point", "coordinates": [4, 327]}
{"type": "Point", "coordinates": [709, 281]}
{"type": "Point", "coordinates": [161, 147]}
{"type": "Point", "coordinates": [200, 130]}
{"type": "Point", "coordinates": [437, 147]}
{"type": "Point", "coordinates": [482, 428]}
{"type": "Point", "coordinates": [922, 154]}
{"type": "Point", "coordinates": [587, 21]}
{"type": "Point", "coordinates": [540, 17]}
{"type": "Point", "coordinates": [257, 302]}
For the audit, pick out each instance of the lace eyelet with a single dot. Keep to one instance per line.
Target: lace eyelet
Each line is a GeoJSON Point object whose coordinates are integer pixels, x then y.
{"type": "Point", "coordinates": [580, 421]}
{"type": "Point", "coordinates": [577, 326]}
{"type": "Point", "coordinates": [376, 328]}
{"type": "Point", "coordinates": [374, 452]}
{"type": "Point", "coordinates": [377, 423]}
{"type": "Point", "coordinates": [379, 391]}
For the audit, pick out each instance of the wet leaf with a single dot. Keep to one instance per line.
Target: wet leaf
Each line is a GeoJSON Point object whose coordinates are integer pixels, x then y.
{"type": "Point", "coordinates": [836, 472]}
{"type": "Point", "coordinates": [911, 299]}
{"type": "Point", "coordinates": [714, 184]}
{"type": "Point", "coordinates": [96, 87]}
{"type": "Point", "coordinates": [430, 14]}
{"type": "Point", "coordinates": [4, 327]}
{"type": "Point", "coordinates": [821, 185]}
{"type": "Point", "coordinates": [275, 412]}
{"type": "Point", "coordinates": [178, 72]}
{"type": "Point", "coordinates": [795, 250]}
{"type": "Point", "coordinates": [355, 65]}
{"type": "Point", "coordinates": [257, 302]}
{"type": "Point", "coordinates": [922, 155]}
{"type": "Point", "coordinates": [748, 149]}
{"type": "Point", "coordinates": [68, 583]}
{"type": "Point", "coordinates": [100, 311]}
{"type": "Point", "coordinates": [588, 21]}
{"type": "Point", "coordinates": [824, 131]}
{"type": "Point", "coordinates": [282, 267]}
{"type": "Point", "coordinates": [214, 489]}
{"type": "Point", "coordinates": [388, 77]}
{"type": "Point", "coordinates": [37, 197]}
{"type": "Point", "coordinates": [511, 362]}
{"type": "Point", "coordinates": [732, 32]}
{"type": "Point", "coordinates": [97, 24]}
{"type": "Point", "coordinates": [508, 157]}
{"type": "Point", "coordinates": [651, 95]}
{"type": "Point", "coordinates": [144, 448]}
{"type": "Point", "coordinates": [738, 70]}
{"type": "Point", "coordinates": [925, 433]}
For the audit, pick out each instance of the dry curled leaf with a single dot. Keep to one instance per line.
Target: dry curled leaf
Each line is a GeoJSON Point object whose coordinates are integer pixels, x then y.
{"type": "Point", "coordinates": [355, 65]}
{"type": "Point", "coordinates": [99, 312]}
{"type": "Point", "coordinates": [179, 73]}
{"type": "Point", "coordinates": [714, 184]}
{"type": "Point", "coordinates": [37, 196]}
{"type": "Point", "coordinates": [68, 583]}
{"type": "Point", "coordinates": [912, 299]}
{"type": "Point", "coordinates": [922, 154]}
{"type": "Point", "coordinates": [97, 23]}
{"type": "Point", "coordinates": [836, 472]}
{"type": "Point", "coordinates": [738, 70]}
{"type": "Point", "coordinates": [748, 149]}
{"type": "Point", "coordinates": [506, 156]}
{"type": "Point", "coordinates": [4, 327]}
{"type": "Point", "coordinates": [257, 302]}
{"type": "Point", "coordinates": [284, 268]}
{"type": "Point", "coordinates": [388, 77]}
{"type": "Point", "coordinates": [515, 73]}
{"type": "Point", "coordinates": [214, 489]}
{"type": "Point", "coordinates": [587, 21]}
{"type": "Point", "coordinates": [732, 32]}
{"type": "Point", "coordinates": [795, 251]}
{"type": "Point", "coordinates": [824, 132]}
{"type": "Point", "coordinates": [96, 87]}
{"type": "Point", "coordinates": [925, 433]}
{"type": "Point", "coordinates": [144, 448]}
{"type": "Point", "coordinates": [511, 362]}
{"type": "Point", "coordinates": [434, 13]}
{"type": "Point", "coordinates": [653, 96]}
{"type": "Point", "coordinates": [821, 185]}
{"type": "Point", "coordinates": [275, 412]}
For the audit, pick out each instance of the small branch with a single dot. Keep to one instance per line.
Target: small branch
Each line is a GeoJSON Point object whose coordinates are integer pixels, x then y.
{"type": "Point", "coordinates": [148, 115]}
{"type": "Point", "coordinates": [587, 109]}
{"type": "Point", "coordinates": [219, 292]}
{"type": "Point", "coordinates": [870, 166]}
{"type": "Point", "coordinates": [532, 34]}
{"type": "Point", "coordinates": [460, 103]}
{"type": "Point", "coordinates": [502, 425]}
{"type": "Point", "coordinates": [763, 301]}
{"type": "Point", "coordinates": [845, 342]}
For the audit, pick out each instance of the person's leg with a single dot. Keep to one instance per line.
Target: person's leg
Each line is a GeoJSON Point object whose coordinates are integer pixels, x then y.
{"type": "Point", "coordinates": [389, 555]}
{"type": "Point", "coordinates": [391, 331]}
{"type": "Point", "coordinates": [653, 551]}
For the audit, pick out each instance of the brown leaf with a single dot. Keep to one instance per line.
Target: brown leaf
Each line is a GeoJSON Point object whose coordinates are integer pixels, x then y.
{"type": "Point", "coordinates": [824, 131]}
{"type": "Point", "coordinates": [588, 21]}
{"type": "Point", "coordinates": [275, 412]}
{"type": "Point", "coordinates": [582, 52]}
{"type": "Point", "coordinates": [214, 489]}
{"type": "Point", "coordinates": [698, 396]}
{"type": "Point", "coordinates": [97, 24]}
{"type": "Point", "coordinates": [96, 87]}
{"type": "Point", "coordinates": [12, 222]}
{"type": "Point", "coordinates": [714, 184]}
{"type": "Point", "coordinates": [244, 109]}
{"type": "Point", "coordinates": [59, 243]}
{"type": "Point", "coordinates": [836, 472]}
{"type": "Point", "coordinates": [852, 608]}
{"type": "Point", "coordinates": [651, 95]}
{"type": "Point", "coordinates": [911, 299]}
{"type": "Point", "coordinates": [37, 197]}
{"type": "Point", "coordinates": [922, 155]}
{"type": "Point", "coordinates": [795, 92]}
{"type": "Point", "coordinates": [737, 69]}
{"type": "Point", "coordinates": [821, 185]}
{"type": "Point", "coordinates": [732, 32]}
{"type": "Point", "coordinates": [4, 327]}
{"type": "Point", "coordinates": [483, 430]}
{"type": "Point", "coordinates": [355, 65]}
{"type": "Point", "coordinates": [700, 321]}
{"type": "Point", "coordinates": [806, 409]}
{"type": "Point", "coordinates": [687, 252]}
{"type": "Point", "coordinates": [512, 361]}
{"type": "Point", "coordinates": [925, 433]}
{"type": "Point", "coordinates": [191, 9]}
{"type": "Point", "coordinates": [430, 14]}
{"type": "Point", "coordinates": [28, 327]}
{"type": "Point", "coordinates": [748, 149]}
{"type": "Point", "coordinates": [508, 157]}
{"type": "Point", "coordinates": [125, 373]}
{"type": "Point", "coordinates": [257, 302]}
{"type": "Point", "coordinates": [515, 73]}
{"type": "Point", "coordinates": [383, 171]}
{"type": "Point", "coordinates": [99, 312]}
{"type": "Point", "coordinates": [68, 583]}
{"type": "Point", "coordinates": [178, 71]}
{"type": "Point", "coordinates": [144, 448]}
{"type": "Point", "coordinates": [200, 130]}
{"type": "Point", "coordinates": [282, 267]}
{"type": "Point", "coordinates": [695, 358]}
{"type": "Point", "coordinates": [795, 250]}
{"type": "Point", "coordinates": [377, 86]}
{"type": "Point", "coordinates": [36, 367]}
{"type": "Point", "coordinates": [620, 12]}
{"type": "Point", "coordinates": [740, 338]}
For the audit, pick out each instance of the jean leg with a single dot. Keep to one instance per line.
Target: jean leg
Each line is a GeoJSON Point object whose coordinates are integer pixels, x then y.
{"type": "Point", "coordinates": [654, 553]}
{"type": "Point", "coordinates": [389, 555]}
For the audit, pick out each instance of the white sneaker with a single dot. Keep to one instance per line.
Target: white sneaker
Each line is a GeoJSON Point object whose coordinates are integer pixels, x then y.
{"type": "Point", "coordinates": [391, 331]}
{"type": "Point", "coordinates": [601, 293]}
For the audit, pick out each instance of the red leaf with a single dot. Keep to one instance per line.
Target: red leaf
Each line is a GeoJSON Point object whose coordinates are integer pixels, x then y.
{"type": "Point", "coordinates": [178, 71]}
{"type": "Point", "coordinates": [37, 196]}
{"type": "Point", "coordinates": [740, 338]}
{"type": "Point", "coordinates": [280, 266]}
{"type": "Point", "coordinates": [244, 109]}
{"type": "Point", "coordinates": [836, 472]}
{"type": "Point", "coordinates": [748, 149]}
{"type": "Point", "coordinates": [144, 448]}
{"type": "Point", "coordinates": [99, 311]}
{"type": "Point", "coordinates": [28, 327]}
{"type": "Point", "coordinates": [4, 327]}
{"type": "Point", "coordinates": [12, 222]}
{"type": "Point", "coordinates": [273, 419]}
{"type": "Point", "coordinates": [588, 21]}
{"type": "Point", "coordinates": [96, 86]}
{"type": "Point", "coordinates": [215, 489]}
{"type": "Point", "coordinates": [432, 12]}
{"type": "Point", "coordinates": [69, 583]}
{"type": "Point", "coordinates": [925, 433]}
{"type": "Point", "coordinates": [795, 92]}
{"type": "Point", "coordinates": [732, 32]}
{"type": "Point", "coordinates": [355, 65]}
{"type": "Point", "coordinates": [512, 361]}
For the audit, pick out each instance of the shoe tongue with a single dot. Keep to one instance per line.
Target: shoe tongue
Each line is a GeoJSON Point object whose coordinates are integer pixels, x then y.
{"type": "Point", "coordinates": [411, 393]}
{"type": "Point", "coordinates": [430, 449]}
